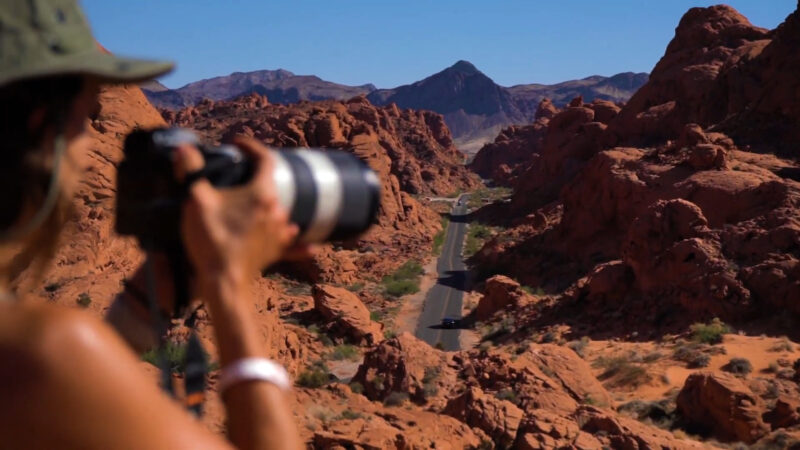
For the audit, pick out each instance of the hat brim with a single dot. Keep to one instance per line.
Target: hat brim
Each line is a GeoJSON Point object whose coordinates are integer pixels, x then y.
{"type": "Point", "coordinates": [108, 68]}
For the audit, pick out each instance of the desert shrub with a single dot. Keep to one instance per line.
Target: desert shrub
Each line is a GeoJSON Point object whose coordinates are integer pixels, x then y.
{"type": "Point", "coordinates": [429, 390]}
{"type": "Point", "coordinates": [404, 280]}
{"type": "Point", "coordinates": [738, 366]}
{"type": "Point", "coordinates": [431, 374]}
{"type": "Point", "coordinates": [699, 361]}
{"type": "Point", "coordinates": [507, 394]}
{"type": "Point", "coordinates": [357, 387]}
{"type": "Point", "coordinates": [652, 357]}
{"type": "Point", "coordinates": [695, 355]}
{"type": "Point", "coordinates": [314, 377]}
{"type": "Point", "coordinates": [376, 316]}
{"type": "Point", "coordinates": [438, 239]}
{"type": "Point", "coordinates": [377, 383]}
{"type": "Point", "coordinates": [298, 289]}
{"type": "Point", "coordinates": [785, 345]}
{"type": "Point", "coordinates": [322, 413]}
{"type": "Point", "coordinates": [549, 337]}
{"type": "Point", "coordinates": [355, 287]}
{"type": "Point", "coordinates": [622, 371]}
{"type": "Point", "coordinates": [349, 414]}
{"type": "Point", "coordinates": [773, 367]}
{"type": "Point", "coordinates": [439, 346]}
{"type": "Point", "coordinates": [409, 270]}
{"type": "Point", "coordinates": [399, 288]}
{"type": "Point", "coordinates": [484, 347]}
{"type": "Point", "coordinates": [710, 333]}
{"type": "Point", "coordinates": [658, 413]}
{"type": "Point", "coordinates": [579, 346]}
{"type": "Point", "coordinates": [389, 334]}
{"type": "Point", "coordinates": [84, 300]}
{"type": "Point", "coordinates": [395, 399]}
{"type": "Point", "coordinates": [344, 351]}
{"type": "Point", "coordinates": [175, 354]}
{"type": "Point", "coordinates": [326, 340]}
{"type": "Point", "coordinates": [476, 235]}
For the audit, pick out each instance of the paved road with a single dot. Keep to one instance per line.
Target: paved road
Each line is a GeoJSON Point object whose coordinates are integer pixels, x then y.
{"type": "Point", "coordinates": [444, 299]}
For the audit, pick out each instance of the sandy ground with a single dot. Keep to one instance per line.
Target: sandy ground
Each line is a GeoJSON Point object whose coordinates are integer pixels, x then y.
{"type": "Point", "coordinates": [667, 376]}
{"type": "Point", "coordinates": [408, 316]}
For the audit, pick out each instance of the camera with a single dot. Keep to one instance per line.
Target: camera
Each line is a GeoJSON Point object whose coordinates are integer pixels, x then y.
{"type": "Point", "coordinates": [330, 194]}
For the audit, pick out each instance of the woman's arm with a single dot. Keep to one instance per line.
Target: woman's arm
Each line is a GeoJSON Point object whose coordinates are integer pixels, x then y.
{"type": "Point", "coordinates": [230, 236]}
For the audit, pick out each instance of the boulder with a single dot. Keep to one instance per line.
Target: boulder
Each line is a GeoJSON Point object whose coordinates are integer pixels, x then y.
{"type": "Point", "coordinates": [346, 314]}
{"type": "Point", "coordinates": [724, 405]}
{"type": "Point", "coordinates": [499, 419]}
{"type": "Point", "coordinates": [622, 432]}
{"type": "Point", "coordinates": [403, 364]}
{"type": "Point", "coordinates": [500, 292]}
{"type": "Point", "coordinates": [785, 413]}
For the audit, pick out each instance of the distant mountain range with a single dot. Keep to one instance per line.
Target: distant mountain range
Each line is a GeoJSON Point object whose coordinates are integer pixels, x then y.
{"type": "Point", "coordinates": [280, 86]}
{"type": "Point", "coordinates": [473, 105]}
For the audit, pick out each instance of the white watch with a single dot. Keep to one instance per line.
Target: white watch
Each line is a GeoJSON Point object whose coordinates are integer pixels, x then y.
{"type": "Point", "coordinates": [254, 369]}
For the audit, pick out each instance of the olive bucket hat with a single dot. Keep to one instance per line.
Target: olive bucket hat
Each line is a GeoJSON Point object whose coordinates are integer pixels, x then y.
{"type": "Point", "coordinates": [52, 37]}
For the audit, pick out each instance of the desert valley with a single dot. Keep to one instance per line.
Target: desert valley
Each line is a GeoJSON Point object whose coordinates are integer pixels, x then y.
{"type": "Point", "coordinates": [621, 254]}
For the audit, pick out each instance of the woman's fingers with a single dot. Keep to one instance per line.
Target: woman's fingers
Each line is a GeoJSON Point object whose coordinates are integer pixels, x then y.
{"type": "Point", "coordinates": [300, 252]}
{"type": "Point", "coordinates": [261, 158]}
{"type": "Point", "coordinates": [188, 159]}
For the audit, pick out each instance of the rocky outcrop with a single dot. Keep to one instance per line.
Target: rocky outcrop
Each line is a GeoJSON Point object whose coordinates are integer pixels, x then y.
{"type": "Point", "coordinates": [614, 431]}
{"type": "Point", "coordinates": [403, 364]}
{"type": "Point", "coordinates": [724, 405]}
{"type": "Point", "coordinates": [345, 314]}
{"type": "Point", "coordinates": [589, 216]}
{"type": "Point", "coordinates": [569, 370]}
{"type": "Point", "coordinates": [688, 83]}
{"type": "Point", "coordinates": [513, 148]}
{"type": "Point", "coordinates": [785, 413]}
{"type": "Point", "coordinates": [498, 418]}
{"type": "Point", "coordinates": [500, 292]}
{"type": "Point", "coordinates": [411, 151]}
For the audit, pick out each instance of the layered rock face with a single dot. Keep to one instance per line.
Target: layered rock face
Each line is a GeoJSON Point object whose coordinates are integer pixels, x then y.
{"type": "Point", "coordinates": [694, 222]}
{"type": "Point", "coordinates": [412, 152]}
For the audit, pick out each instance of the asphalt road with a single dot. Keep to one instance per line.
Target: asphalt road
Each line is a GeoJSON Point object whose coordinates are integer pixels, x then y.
{"type": "Point", "coordinates": [444, 299]}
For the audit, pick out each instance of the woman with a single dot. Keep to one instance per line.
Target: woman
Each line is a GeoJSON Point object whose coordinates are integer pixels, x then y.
{"type": "Point", "coordinates": [66, 379]}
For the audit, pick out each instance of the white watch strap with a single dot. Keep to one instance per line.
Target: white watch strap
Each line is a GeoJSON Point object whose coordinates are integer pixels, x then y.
{"type": "Point", "coordinates": [254, 369]}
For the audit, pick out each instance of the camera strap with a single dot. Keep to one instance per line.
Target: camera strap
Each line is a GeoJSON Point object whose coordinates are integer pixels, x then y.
{"type": "Point", "coordinates": [195, 360]}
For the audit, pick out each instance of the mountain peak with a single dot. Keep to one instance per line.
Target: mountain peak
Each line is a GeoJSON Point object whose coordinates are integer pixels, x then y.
{"type": "Point", "coordinates": [465, 67]}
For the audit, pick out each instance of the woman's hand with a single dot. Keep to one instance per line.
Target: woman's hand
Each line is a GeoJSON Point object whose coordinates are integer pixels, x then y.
{"type": "Point", "coordinates": [237, 230]}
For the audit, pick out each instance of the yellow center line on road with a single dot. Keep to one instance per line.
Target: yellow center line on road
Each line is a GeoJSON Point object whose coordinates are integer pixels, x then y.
{"type": "Point", "coordinates": [451, 253]}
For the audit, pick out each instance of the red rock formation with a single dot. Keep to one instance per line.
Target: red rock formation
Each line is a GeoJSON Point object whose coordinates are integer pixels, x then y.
{"type": "Point", "coordinates": [585, 201]}
{"type": "Point", "coordinates": [622, 432]}
{"type": "Point", "coordinates": [515, 146]}
{"type": "Point", "coordinates": [412, 152]}
{"type": "Point", "coordinates": [403, 364]}
{"type": "Point", "coordinates": [498, 418]}
{"type": "Point", "coordinates": [500, 292]}
{"type": "Point", "coordinates": [684, 85]}
{"type": "Point", "coordinates": [346, 315]}
{"type": "Point", "coordinates": [723, 404]}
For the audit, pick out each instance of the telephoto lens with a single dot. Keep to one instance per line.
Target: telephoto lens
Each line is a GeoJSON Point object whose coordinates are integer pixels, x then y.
{"type": "Point", "coordinates": [330, 194]}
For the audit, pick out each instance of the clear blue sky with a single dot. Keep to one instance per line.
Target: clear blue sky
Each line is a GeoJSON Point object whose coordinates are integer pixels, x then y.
{"type": "Point", "coordinates": [390, 43]}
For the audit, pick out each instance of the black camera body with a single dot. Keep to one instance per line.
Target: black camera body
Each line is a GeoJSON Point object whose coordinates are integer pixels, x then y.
{"type": "Point", "coordinates": [330, 195]}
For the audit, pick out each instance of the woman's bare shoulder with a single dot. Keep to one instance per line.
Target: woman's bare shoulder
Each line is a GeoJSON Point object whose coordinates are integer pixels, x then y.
{"type": "Point", "coordinates": [63, 368]}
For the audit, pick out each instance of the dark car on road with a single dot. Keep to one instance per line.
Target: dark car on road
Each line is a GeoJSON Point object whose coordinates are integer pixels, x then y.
{"type": "Point", "coordinates": [450, 322]}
